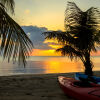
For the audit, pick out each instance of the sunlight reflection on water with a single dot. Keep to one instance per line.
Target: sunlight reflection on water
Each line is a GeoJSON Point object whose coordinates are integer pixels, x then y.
{"type": "Point", "coordinates": [42, 65]}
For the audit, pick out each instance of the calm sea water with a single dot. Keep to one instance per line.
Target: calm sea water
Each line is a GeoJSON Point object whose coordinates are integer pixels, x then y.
{"type": "Point", "coordinates": [42, 65]}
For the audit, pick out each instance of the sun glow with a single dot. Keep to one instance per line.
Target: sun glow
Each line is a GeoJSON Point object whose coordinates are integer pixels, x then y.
{"type": "Point", "coordinates": [54, 66]}
{"type": "Point", "coordinates": [38, 52]}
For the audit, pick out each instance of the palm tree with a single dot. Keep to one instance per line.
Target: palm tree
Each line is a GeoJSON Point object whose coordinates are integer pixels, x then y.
{"type": "Point", "coordinates": [14, 43]}
{"type": "Point", "coordinates": [82, 34]}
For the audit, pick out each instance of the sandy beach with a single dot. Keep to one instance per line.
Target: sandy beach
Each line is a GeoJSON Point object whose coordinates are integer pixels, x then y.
{"type": "Point", "coordinates": [33, 87]}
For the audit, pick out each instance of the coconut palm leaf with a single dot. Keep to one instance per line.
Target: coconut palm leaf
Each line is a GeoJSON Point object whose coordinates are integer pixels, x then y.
{"type": "Point", "coordinates": [68, 50]}
{"type": "Point", "coordinates": [62, 37]}
{"type": "Point", "coordinates": [72, 15]}
{"type": "Point", "coordinates": [14, 41]}
{"type": "Point", "coordinates": [8, 4]}
{"type": "Point", "coordinates": [93, 17]}
{"type": "Point", "coordinates": [85, 27]}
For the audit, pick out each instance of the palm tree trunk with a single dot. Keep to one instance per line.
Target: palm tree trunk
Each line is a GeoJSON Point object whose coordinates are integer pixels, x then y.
{"type": "Point", "coordinates": [88, 65]}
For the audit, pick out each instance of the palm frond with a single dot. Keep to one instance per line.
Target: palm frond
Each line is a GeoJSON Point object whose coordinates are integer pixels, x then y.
{"type": "Point", "coordinates": [72, 15]}
{"type": "Point", "coordinates": [93, 17]}
{"type": "Point", "coordinates": [62, 37]}
{"type": "Point", "coordinates": [59, 35]}
{"type": "Point", "coordinates": [69, 51]}
{"type": "Point", "coordinates": [8, 4]}
{"type": "Point", "coordinates": [14, 41]}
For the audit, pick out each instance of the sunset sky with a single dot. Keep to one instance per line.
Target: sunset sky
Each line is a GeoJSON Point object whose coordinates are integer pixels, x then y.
{"type": "Point", "coordinates": [48, 14]}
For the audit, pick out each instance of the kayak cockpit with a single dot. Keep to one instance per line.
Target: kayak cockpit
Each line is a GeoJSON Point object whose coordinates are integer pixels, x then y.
{"type": "Point", "coordinates": [82, 84]}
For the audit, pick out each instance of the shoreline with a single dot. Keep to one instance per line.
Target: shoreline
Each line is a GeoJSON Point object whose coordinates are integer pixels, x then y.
{"type": "Point", "coordinates": [33, 87]}
{"type": "Point", "coordinates": [97, 73]}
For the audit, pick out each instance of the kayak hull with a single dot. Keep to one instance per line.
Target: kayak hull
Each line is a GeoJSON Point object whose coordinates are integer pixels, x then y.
{"type": "Point", "coordinates": [77, 92]}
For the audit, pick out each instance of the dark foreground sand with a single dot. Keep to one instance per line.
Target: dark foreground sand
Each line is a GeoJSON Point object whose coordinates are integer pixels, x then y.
{"type": "Point", "coordinates": [33, 87]}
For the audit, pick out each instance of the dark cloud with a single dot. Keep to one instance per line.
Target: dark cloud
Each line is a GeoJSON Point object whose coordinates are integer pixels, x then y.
{"type": "Point", "coordinates": [36, 36]}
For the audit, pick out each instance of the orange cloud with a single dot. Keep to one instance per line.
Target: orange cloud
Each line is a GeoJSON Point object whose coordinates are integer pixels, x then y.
{"type": "Point", "coordinates": [55, 46]}
{"type": "Point", "coordinates": [38, 52]}
{"type": "Point", "coordinates": [51, 41]}
{"type": "Point", "coordinates": [50, 52]}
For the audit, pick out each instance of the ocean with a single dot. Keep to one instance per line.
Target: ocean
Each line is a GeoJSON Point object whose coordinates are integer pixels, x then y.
{"type": "Point", "coordinates": [45, 64]}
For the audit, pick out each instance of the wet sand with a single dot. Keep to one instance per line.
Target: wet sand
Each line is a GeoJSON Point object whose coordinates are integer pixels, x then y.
{"type": "Point", "coordinates": [33, 87]}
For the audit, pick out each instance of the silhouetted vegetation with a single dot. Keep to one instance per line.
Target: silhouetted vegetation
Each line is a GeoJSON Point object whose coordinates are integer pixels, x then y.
{"type": "Point", "coordinates": [14, 43]}
{"type": "Point", "coordinates": [82, 34]}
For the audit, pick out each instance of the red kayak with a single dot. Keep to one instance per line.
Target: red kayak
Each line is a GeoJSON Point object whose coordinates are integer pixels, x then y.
{"type": "Point", "coordinates": [70, 87]}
